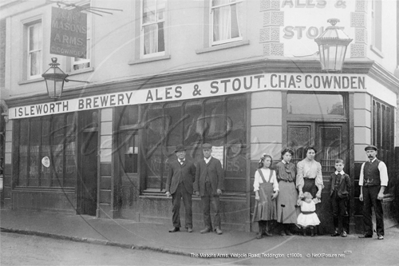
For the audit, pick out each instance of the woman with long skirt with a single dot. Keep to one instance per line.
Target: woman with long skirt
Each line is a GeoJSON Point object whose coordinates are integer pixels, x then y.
{"type": "Point", "coordinates": [288, 195]}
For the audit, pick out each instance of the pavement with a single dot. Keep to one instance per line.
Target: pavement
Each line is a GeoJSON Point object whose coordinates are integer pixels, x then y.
{"type": "Point", "coordinates": [151, 236]}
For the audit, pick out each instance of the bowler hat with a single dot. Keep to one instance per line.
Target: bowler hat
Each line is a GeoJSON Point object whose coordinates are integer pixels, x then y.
{"type": "Point", "coordinates": [206, 146]}
{"type": "Point", "coordinates": [180, 148]}
{"type": "Point", "coordinates": [371, 147]}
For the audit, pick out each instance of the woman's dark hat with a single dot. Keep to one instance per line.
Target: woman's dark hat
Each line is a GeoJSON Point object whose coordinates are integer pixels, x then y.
{"type": "Point", "coordinates": [180, 148]}
{"type": "Point", "coordinates": [371, 147]}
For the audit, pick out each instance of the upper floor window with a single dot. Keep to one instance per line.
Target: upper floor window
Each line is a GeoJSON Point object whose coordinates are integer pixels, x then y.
{"type": "Point", "coordinates": [226, 21]}
{"type": "Point", "coordinates": [376, 14]}
{"type": "Point", "coordinates": [34, 49]}
{"type": "Point", "coordinates": [153, 28]}
{"type": "Point", "coordinates": [84, 62]}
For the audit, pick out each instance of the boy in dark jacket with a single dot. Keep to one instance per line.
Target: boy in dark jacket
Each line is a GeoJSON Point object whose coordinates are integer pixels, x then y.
{"type": "Point", "coordinates": [339, 195]}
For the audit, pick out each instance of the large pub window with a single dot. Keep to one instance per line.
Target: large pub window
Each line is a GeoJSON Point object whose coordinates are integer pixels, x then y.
{"type": "Point", "coordinates": [219, 121]}
{"type": "Point", "coordinates": [383, 134]}
{"type": "Point", "coordinates": [52, 137]}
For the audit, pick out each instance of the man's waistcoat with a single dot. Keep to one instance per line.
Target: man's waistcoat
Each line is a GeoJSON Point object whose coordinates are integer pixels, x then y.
{"type": "Point", "coordinates": [371, 174]}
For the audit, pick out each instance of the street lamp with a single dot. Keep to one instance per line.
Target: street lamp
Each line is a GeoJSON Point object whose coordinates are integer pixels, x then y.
{"type": "Point", "coordinates": [332, 43]}
{"type": "Point", "coordinates": [55, 78]}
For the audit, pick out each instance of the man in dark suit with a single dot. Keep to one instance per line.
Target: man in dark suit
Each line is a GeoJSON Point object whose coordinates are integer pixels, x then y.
{"type": "Point", "coordinates": [179, 184]}
{"type": "Point", "coordinates": [372, 181]}
{"type": "Point", "coordinates": [209, 184]}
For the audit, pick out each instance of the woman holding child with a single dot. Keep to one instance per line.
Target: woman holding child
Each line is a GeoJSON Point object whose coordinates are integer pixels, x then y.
{"type": "Point", "coordinates": [309, 177]}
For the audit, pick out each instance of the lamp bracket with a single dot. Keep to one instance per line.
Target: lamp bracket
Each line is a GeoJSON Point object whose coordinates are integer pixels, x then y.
{"type": "Point", "coordinates": [73, 80]}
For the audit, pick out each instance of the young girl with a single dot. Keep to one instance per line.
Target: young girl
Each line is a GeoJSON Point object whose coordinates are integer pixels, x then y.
{"type": "Point", "coordinates": [266, 191]}
{"type": "Point", "coordinates": [308, 217]}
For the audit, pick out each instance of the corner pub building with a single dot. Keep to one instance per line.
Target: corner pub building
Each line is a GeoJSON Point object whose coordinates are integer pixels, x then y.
{"type": "Point", "coordinates": [255, 90]}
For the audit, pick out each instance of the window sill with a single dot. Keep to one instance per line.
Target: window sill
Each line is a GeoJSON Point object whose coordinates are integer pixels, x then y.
{"type": "Point", "coordinates": [42, 189]}
{"type": "Point", "coordinates": [317, 118]}
{"type": "Point", "coordinates": [81, 71]}
{"type": "Point", "coordinates": [148, 60]}
{"type": "Point", "coordinates": [148, 194]}
{"type": "Point", "coordinates": [376, 51]}
{"type": "Point", "coordinates": [29, 81]}
{"type": "Point", "coordinates": [222, 47]}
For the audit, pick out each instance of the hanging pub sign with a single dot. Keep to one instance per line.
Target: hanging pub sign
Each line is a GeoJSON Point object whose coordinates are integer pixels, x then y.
{"type": "Point", "coordinates": [68, 32]}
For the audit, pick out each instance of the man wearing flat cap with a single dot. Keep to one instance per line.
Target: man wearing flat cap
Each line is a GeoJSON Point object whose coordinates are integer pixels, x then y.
{"type": "Point", "coordinates": [179, 184]}
{"type": "Point", "coordinates": [209, 184]}
{"type": "Point", "coordinates": [373, 181]}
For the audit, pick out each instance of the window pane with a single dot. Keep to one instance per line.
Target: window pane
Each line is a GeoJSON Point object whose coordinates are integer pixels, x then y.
{"type": "Point", "coordinates": [236, 118]}
{"type": "Point", "coordinates": [173, 124]}
{"type": "Point", "coordinates": [23, 152]}
{"type": "Point", "coordinates": [45, 171]}
{"type": "Point", "coordinates": [153, 26]}
{"type": "Point", "coordinates": [221, 23]}
{"type": "Point", "coordinates": [35, 37]}
{"type": "Point", "coordinates": [35, 63]}
{"type": "Point", "coordinates": [383, 133]}
{"type": "Point", "coordinates": [161, 37]}
{"type": "Point", "coordinates": [299, 138]}
{"type": "Point", "coordinates": [235, 31]}
{"type": "Point", "coordinates": [155, 135]}
{"type": "Point", "coordinates": [70, 152]}
{"type": "Point", "coordinates": [377, 24]}
{"type": "Point", "coordinates": [34, 49]}
{"type": "Point", "coordinates": [128, 115]}
{"type": "Point", "coordinates": [150, 39]}
{"type": "Point", "coordinates": [149, 10]}
{"type": "Point", "coordinates": [57, 150]}
{"type": "Point", "coordinates": [227, 20]}
{"type": "Point", "coordinates": [35, 133]}
{"type": "Point", "coordinates": [84, 61]}
{"type": "Point", "coordinates": [193, 123]}
{"type": "Point", "coordinates": [330, 147]}
{"type": "Point", "coordinates": [236, 137]}
{"type": "Point", "coordinates": [154, 40]}
{"type": "Point", "coordinates": [129, 151]}
{"type": "Point", "coordinates": [161, 5]}
{"type": "Point", "coordinates": [81, 63]}
{"type": "Point", "coordinates": [215, 122]}
{"type": "Point", "coordinates": [315, 104]}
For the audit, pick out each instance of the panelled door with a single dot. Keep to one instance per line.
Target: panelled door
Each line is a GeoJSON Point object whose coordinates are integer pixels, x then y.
{"type": "Point", "coordinates": [330, 141]}
{"type": "Point", "coordinates": [88, 151]}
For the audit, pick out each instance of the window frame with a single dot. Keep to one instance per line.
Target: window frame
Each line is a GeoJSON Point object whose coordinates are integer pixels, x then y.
{"type": "Point", "coordinates": [41, 181]}
{"type": "Point", "coordinates": [383, 135]}
{"type": "Point", "coordinates": [211, 26]}
{"type": "Point", "coordinates": [318, 117]}
{"type": "Point", "coordinates": [88, 60]}
{"type": "Point", "coordinates": [376, 18]}
{"type": "Point", "coordinates": [167, 151]}
{"type": "Point", "coordinates": [27, 27]}
{"type": "Point", "coordinates": [142, 33]}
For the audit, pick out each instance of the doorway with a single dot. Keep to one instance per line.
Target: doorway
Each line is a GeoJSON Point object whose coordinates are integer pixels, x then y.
{"type": "Point", "coordinates": [331, 142]}
{"type": "Point", "coordinates": [88, 173]}
{"type": "Point", "coordinates": [127, 161]}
